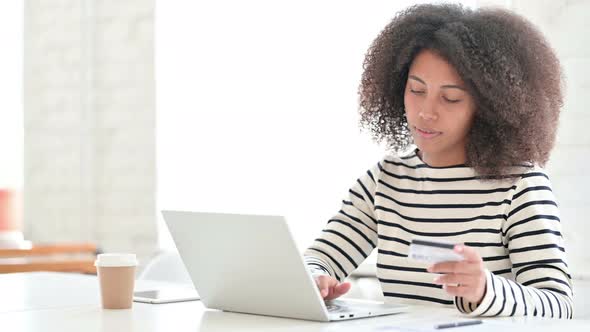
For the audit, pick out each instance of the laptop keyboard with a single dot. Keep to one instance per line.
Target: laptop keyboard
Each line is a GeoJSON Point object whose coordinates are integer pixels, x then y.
{"type": "Point", "coordinates": [337, 308]}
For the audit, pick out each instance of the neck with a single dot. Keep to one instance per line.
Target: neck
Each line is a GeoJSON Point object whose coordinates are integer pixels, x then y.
{"type": "Point", "coordinates": [443, 159]}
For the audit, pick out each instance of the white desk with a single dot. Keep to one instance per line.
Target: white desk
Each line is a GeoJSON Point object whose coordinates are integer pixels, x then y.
{"type": "Point", "coordinates": [46, 301]}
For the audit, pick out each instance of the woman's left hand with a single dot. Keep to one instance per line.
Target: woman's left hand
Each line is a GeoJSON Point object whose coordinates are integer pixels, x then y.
{"type": "Point", "coordinates": [466, 278]}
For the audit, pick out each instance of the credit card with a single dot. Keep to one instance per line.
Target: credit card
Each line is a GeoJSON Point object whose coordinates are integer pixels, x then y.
{"type": "Point", "coordinates": [433, 251]}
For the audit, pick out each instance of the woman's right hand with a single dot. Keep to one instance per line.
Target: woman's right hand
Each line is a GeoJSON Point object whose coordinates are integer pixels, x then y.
{"type": "Point", "coordinates": [330, 288]}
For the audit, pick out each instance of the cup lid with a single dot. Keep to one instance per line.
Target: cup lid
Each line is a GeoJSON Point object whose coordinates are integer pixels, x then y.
{"type": "Point", "coordinates": [112, 260]}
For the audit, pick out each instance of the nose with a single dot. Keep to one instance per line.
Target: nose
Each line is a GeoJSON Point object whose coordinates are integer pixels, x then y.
{"type": "Point", "coordinates": [427, 112]}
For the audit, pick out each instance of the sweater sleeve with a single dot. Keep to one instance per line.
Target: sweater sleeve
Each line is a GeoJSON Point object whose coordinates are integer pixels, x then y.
{"type": "Point", "coordinates": [532, 234]}
{"type": "Point", "coordinates": [350, 235]}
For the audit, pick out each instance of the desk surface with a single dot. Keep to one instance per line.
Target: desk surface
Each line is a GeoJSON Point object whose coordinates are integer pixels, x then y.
{"type": "Point", "coordinates": [47, 301]}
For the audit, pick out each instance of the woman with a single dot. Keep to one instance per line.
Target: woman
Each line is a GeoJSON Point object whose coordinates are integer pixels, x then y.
{"type": "Point", "coordinates": [478, 93]}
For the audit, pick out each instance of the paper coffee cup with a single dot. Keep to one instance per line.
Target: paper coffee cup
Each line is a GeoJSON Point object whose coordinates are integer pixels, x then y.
{"type": "Point", "coordinates": [116, 275]}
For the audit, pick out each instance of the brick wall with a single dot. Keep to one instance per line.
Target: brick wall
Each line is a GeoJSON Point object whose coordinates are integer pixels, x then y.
{"type": "Point", "coordinates": [89, 118]}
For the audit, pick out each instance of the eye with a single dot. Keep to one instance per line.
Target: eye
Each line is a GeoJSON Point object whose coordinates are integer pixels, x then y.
{"type": "Point", "coordinates": [452, 101]}
{"type": "Point", "coordinates": [416, 92]}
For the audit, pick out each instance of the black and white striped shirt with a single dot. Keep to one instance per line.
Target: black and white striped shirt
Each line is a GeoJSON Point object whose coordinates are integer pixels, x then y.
{"type": "Point", "coordinates": [513, 224]}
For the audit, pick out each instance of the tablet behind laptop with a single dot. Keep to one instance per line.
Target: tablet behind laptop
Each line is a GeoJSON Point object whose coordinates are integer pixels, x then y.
{"type": "Point", "coordinates": [250, 264]}
{"type": "Point", "coordinates": [166, 295]}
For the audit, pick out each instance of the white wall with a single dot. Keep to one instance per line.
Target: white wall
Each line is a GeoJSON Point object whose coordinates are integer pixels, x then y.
{"type": "Point", "coordinates": [258, 106]}
{"type": "Point", "coordinates": [257, 112]}
{"type": "Point", "coordinates": [565, 24]}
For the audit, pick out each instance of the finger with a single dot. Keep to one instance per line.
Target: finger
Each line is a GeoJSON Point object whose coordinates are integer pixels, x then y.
{"type": "Point", "coordinates": [449, 267]}
{"type": "Point", "coordinates": [332, 294]}
{"type": "Point", "coordinates": [328, 286]}
{"type": "Point", "coordinates": [470, 254]}
{"type": "Point", "coordinates": [323, 283]}
{"type": "Point", "coordinates": [445, 267]}
{"type": "Point", "coordinates": [338, 290]}
{"type": "Point", "coordinates": [462, 267]}
{"type": "Point", "coordinates": [460, 291]}
{"type": "Point", "coordinates": [342, 288]}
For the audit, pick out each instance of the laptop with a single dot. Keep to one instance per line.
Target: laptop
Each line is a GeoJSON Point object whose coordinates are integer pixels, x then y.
{"type": "Point", "coordinates": [250, 264]}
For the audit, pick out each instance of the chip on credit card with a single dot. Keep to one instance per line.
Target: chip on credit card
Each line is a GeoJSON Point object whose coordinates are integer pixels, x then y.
{"type": "Point", "coordinates": [433, 251]}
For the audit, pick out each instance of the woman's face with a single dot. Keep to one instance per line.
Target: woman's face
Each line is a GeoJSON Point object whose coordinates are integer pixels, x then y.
{"type": "Point", "coordinates": [439, 109]}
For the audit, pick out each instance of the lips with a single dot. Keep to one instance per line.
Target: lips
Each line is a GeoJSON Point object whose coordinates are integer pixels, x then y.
{"type": "Point", "coordinates": [427, 132]}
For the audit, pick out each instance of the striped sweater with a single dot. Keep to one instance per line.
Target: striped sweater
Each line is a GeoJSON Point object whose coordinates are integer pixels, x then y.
{"type": "Point", "coordinates": [513, 224]}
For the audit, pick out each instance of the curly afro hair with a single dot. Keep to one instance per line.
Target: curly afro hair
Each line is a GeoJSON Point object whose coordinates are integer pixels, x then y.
{"type": "Point", "coordinates": [507, 65]}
